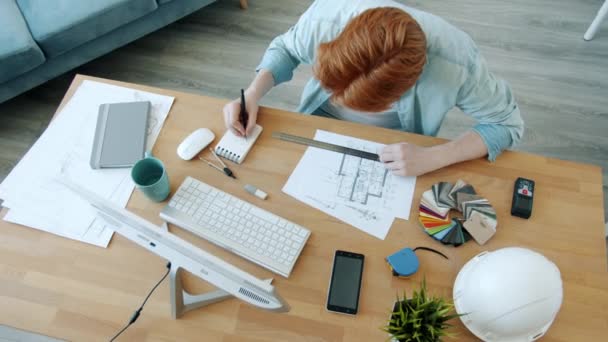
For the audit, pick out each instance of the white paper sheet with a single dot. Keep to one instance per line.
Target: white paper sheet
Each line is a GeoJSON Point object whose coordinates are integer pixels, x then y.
{"type": "Point", "coordinates": [357, 191]}
{"type": "Point", "coordinates": [63, 150]}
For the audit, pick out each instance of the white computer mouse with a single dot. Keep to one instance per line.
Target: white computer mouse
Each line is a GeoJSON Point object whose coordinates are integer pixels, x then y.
{"type": "Point", "coordinates": [194, 143]}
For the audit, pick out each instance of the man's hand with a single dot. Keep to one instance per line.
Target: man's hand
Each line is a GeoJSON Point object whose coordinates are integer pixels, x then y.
{"type": "Point", "coordinates": [231, 115]}
{"type": "Point", "coordinates": [411, 160]}
{"type": "Point", "coordinates": [262, 83]}
{"type": "Point", "coordinates": [405, 159]}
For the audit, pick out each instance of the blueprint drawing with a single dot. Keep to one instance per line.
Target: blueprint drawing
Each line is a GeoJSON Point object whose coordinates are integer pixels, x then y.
{"type": "Point", "coordinates": [358, 191]}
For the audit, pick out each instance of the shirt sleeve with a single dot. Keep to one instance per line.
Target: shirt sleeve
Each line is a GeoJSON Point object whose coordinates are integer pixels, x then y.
{"type": "Point", "coordinates": [490, 101]}
{"type": "Point", "coordinates": [279, 59]}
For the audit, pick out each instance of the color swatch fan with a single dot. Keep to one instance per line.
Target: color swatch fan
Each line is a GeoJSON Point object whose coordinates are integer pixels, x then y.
{"type": "Point", "coordinates": [479, 217]}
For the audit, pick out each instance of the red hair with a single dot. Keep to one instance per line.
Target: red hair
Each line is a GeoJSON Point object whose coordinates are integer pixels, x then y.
{"type": "Point", "coordinates": [378, 56]}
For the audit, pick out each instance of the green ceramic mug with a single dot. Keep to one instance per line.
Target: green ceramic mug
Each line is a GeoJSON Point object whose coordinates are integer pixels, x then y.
{"type": "Point", "coordinates": [150, 177]}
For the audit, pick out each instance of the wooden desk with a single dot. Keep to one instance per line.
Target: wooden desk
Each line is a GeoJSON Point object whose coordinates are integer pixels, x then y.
{"type": "Point", "coordinates": [75, 291]}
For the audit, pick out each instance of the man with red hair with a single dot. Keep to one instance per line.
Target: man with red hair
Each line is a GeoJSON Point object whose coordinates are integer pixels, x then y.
{"type": "Point", "coordinates": [381, 63]}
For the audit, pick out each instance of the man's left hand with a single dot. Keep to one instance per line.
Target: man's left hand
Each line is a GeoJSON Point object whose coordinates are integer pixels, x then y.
{"type": "Point", "coordinates": [405, 159]}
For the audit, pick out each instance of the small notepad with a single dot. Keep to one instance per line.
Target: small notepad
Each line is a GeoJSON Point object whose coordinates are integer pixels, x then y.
{"type": "Point", "coordinates": [236, 148]}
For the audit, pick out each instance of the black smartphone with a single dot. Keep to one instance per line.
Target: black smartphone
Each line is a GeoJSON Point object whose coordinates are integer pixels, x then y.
{"type": "Point", "coordinates": [523, 197]}
{"type": "Point", "coordinates": [345, 283]}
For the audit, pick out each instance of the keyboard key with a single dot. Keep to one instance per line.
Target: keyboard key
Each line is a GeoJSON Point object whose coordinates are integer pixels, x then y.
{"type": "Point", "coordinates": [203, 188]}
{"type": "Point", "coordinates": [266, 216]}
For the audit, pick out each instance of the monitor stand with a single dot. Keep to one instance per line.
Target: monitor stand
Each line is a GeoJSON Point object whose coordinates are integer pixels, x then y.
{"type": "Point", "coordinates": [182, 301]}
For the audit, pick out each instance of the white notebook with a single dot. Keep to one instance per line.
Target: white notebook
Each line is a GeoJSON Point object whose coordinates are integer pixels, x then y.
{"type": "Point", "coordinates": [236, 148]}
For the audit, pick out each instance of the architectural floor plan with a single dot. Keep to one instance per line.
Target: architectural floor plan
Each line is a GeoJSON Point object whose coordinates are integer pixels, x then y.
{"type": "Point", "coordinates": [360, 179]}
{"type": "Point", "coordinates": [359, 191]}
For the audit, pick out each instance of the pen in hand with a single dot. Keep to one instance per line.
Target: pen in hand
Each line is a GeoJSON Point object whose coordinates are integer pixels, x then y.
{"type": "Point", "coordinates": [244, 116]}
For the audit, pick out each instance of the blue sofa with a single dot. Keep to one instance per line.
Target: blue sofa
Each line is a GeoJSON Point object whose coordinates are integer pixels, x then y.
{"type": "Point", "coordinates": [41, 39]}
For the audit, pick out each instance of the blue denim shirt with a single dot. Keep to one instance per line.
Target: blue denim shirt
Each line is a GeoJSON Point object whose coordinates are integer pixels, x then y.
{"type": "Point", "coordinates": [455, 74]}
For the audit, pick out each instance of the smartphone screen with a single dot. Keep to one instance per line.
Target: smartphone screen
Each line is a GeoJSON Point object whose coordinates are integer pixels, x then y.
{"type": "Point", "coordinates": [345, 283]}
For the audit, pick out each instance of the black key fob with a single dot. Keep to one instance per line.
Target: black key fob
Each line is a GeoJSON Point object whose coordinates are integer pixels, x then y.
{"type": "Point", "coordinates": [523, 195]}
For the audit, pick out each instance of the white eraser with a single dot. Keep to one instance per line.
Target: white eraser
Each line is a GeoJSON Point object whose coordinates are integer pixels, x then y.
{"type": "Point", "coordinates": [255, 191]}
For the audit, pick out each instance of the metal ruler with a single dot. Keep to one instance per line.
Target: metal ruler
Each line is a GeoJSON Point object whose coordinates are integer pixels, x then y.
{"type": "Point", "coordinates": [326, 146]}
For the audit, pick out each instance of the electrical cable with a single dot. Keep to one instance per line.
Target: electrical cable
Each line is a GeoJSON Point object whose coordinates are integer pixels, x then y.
{"type": "Point", "coordinates": [135, 315]}
{"type": "Point", "coordinates": [431, 250]}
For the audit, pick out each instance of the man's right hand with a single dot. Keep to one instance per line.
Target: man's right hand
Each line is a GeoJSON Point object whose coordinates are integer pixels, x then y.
{"type": "Point", "coordinates": [232, 112]}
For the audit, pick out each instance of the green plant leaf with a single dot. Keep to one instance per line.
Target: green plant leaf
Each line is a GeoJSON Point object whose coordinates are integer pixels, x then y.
{"type": "Point", "coordinates": [423, 317]}
{"type": "Point", "coordinates": [400, 337]}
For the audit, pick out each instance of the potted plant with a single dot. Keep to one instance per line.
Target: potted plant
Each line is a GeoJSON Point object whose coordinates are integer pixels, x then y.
{"type": "Point", "coordinates": [421, 318]}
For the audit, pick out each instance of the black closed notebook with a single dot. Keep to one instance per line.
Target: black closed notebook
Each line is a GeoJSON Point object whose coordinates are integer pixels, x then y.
{"type": "Point", "coordinates": [120, 135]}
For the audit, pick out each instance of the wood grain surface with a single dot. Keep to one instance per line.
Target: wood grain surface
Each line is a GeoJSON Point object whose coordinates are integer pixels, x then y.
{"type": "Point", "coordinates": [74, 291]}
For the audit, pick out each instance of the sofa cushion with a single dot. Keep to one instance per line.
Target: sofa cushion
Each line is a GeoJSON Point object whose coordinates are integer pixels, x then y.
{"type": "Point", "coordinates": [61, 25]}
{"type": "Point", "coordinates": [18, 51]}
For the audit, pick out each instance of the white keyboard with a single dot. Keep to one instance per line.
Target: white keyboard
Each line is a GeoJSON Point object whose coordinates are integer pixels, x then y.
{"type": "Point", "coordinates": [236, 225]}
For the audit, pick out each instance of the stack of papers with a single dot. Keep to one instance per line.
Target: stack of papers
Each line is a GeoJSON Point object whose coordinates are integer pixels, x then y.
{"type": "Point", "coordinates": [360, 192]}
{"type": "Point", "coordinates": [31, 191]}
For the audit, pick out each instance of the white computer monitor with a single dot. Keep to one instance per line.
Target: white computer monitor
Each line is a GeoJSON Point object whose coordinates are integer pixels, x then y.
{"type": "Point", "coordinates": [183, 254]}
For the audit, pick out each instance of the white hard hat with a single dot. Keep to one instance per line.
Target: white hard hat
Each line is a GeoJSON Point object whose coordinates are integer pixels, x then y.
{"type": "Point", "coordinates": [511, 294]}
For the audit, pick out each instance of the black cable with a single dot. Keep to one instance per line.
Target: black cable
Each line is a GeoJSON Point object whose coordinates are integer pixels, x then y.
{"type": "Point", "coordinates": [431, 250]}
{"type": "Point", "coordinates": [135, 315]}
